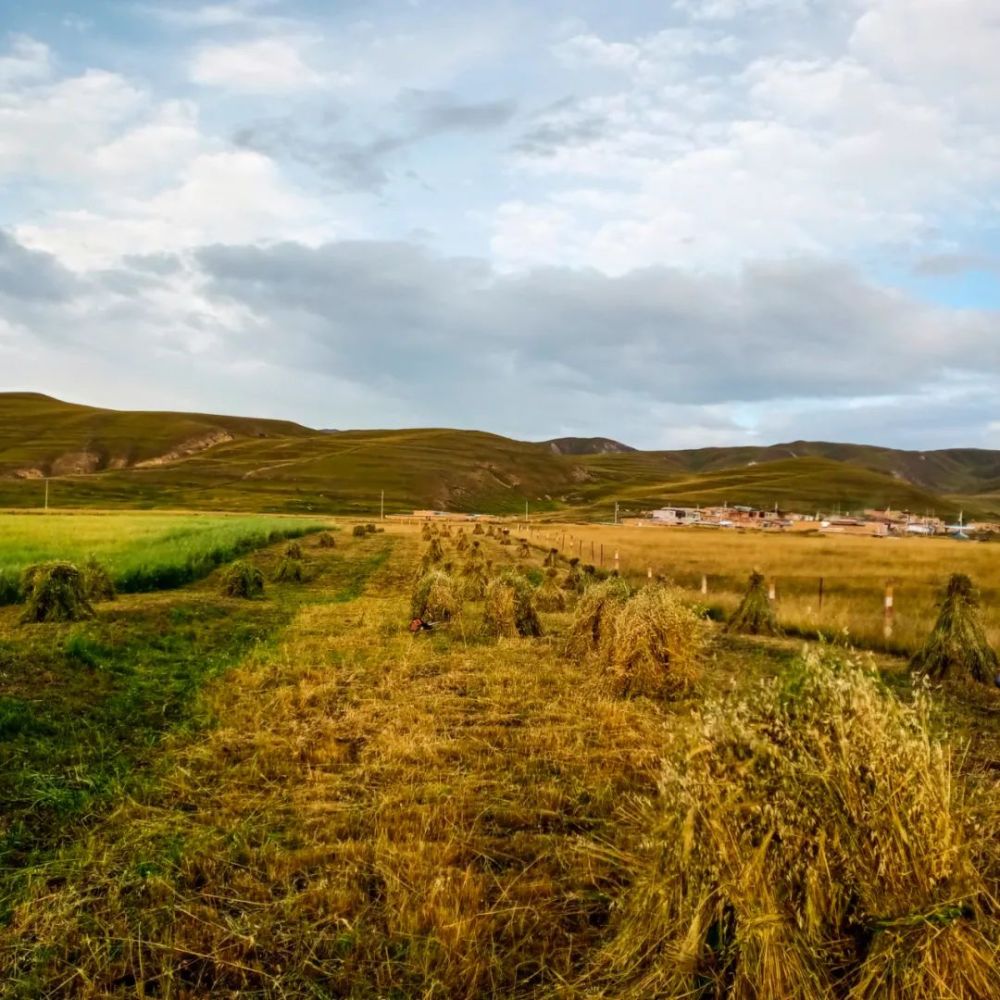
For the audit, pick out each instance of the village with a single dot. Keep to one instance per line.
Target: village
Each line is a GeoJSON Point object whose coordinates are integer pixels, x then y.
{"type": "Point", "coordinates": [869, 523]}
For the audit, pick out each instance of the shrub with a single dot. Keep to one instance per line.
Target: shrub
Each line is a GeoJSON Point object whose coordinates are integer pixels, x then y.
{"type": "Point", "coordinates": [957, 644]}
{"type": "Point", "coordinates": [509, 609]}
{"type": "Point", "coordinates": [436, 598]}
{"type": "Point", "coordinates": [54, 592]}
{"type": "Point", "coordinates": [654, 645]}
{"type": "Point", "coordinates": [755, 616]}
{"type": "Point", "coordinates": [811, 842]}
{"type": "Point", "coordinates": [359, 531]}
{"type": "Point", "coordinates": [242, 580]}
{"type": "Point", "coordinates": [97, 582]}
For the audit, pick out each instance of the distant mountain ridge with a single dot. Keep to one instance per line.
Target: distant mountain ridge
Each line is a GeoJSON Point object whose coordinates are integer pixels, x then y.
{"type": "Point", "coordinates": [587, 446]}
{"type": "Point", "coordinates": [102, 457]}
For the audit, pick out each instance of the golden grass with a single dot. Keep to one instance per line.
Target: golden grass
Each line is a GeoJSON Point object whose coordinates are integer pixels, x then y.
{"type": "Point", "coordinates": [812, 842]}
{"type": "Point", "coordinates": [854, 571]}
{"type": "Point", "coordinates": [376, 814]}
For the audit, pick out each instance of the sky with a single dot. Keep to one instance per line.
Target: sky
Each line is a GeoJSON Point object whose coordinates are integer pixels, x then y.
{"type": "Point", "coordinates": [675, 223]}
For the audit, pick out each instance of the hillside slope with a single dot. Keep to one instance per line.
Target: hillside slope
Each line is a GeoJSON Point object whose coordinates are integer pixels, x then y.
{"type": "Point", "coordinates": [99, 458]}
{"type": "Point", "coordinates": [41, 436]}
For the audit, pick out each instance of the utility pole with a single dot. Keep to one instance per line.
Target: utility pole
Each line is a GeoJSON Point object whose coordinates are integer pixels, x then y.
{"type": "Point", "coordinates": [526, 511]}
{"type": "Point", "coordinates": [46, 492]}
{"type": "Point", "coordinates": [382, 506]}
{"type": "Point", "coordinates": [616, 512]}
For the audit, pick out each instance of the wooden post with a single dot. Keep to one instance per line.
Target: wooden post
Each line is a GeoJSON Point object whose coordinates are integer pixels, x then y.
{"type": "Point", "coordinates": [592, 550]}
{"type": "Point", "coordinates": [704, 583]}
{"type": "Point", "coordinates": [649, 573]}
{"type": "Point", "coordinates": [617, 564]}
{"type": "Point", "coordinates": [820, 606]}
{"type": "Point", "coordinates": [563, 543]}
{"type": "Point", "coordinates": [579, 548]}
{"type": "Point", "coordinates": [772, 591]}
{"type": "Point", "coordinates": [888, 611]}
{"type": "Point", "coordinates": [602, 553]}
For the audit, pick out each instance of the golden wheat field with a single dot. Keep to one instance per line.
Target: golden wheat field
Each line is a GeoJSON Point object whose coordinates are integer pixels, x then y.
{"type": "Point", "coordinates": [345, 808]}
{"type": "Point", "coordinates": [854, 571]}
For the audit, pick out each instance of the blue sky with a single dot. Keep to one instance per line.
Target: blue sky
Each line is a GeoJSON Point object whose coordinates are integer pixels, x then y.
{"type": "Point", "coordinates": [677, 223]}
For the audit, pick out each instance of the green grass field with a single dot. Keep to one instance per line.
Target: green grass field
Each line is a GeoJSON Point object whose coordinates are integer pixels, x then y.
{"type": "Point", "coordinates": [143, 551]}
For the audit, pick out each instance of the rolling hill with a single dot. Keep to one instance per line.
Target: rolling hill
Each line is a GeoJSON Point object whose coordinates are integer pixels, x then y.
{"type": "Point", "coordinates": [107, 458]}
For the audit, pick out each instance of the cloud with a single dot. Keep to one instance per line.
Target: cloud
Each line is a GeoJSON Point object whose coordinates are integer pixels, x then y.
{"type": "Point", "coordinates": [259, 66]}
{"type": "Point", "coordinates": [28, 275]}
{"type": "Point", "coordinates": [26, 60]}
{"type": "Point", "coordinates": [364, 165]}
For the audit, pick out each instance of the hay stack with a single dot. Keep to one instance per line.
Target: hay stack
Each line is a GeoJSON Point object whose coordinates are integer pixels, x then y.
{"type": "Point", "coordinates": [54, 592]}
{"type": "Point", "coordinates": [327, 541]}
{"type": "Point", "coordinates": [551, 558]}
{"type": "Point", "coordinates": [425, 532]}
{"type": "Point", "coordinates": [476, 554]}
{"type": "Point", "coordinates": [509, 609]}
{"type": "Point", "coordinates": [811, 842]}
{"type": "Point", "coordinates": [293, 550]}
{"type": "Point", "coordinates": [957, 645]}
{"type": "Point", "coordinates": [478, 529]}
{"type": "Point", "coordinates": [475, 579]}
{"type": "Point", "coordinates": [462, 542]}
{"type": "Point", "coordinates": [358, 531]}
{"type": "Point", "coordinates": [290, 570]}
{"type": "Point", "coordinates": [523, 549]}
{"type": "Point", "coordinates": [436, 598]}
{"type": "Point", "coordinates": [550, 596]}
{"type": "Point", "coordinates": [97, 582]}
{"type": "Point", "coordinates": [655, 644]}
{"type": "Point", "coordinates": [434, 553]}
{"type": "Point", "coordinates": [755, 616]}
{"type": "Point", "coordinates": [573, 581]}
{"type": "Point", "coordinates": [370, 529]}
{"type": "Point", "coordinates": [594, 612]}
{"type": "Point", "coordinates": [242, 580]}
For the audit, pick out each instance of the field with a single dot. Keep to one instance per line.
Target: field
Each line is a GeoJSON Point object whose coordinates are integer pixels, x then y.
{"type": "Point", "coordinates": [854, 571]}
{"type": "Point", "coordinates": [296, 797]}
{"type": "Point", "coordinates": [142, 551]}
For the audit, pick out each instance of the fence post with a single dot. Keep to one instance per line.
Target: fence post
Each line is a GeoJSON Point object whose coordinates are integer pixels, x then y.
{"type": "Point", "coordinates": [821, 593]}
{"type": "Point", "coordinates": [704, 583]}
{"type": "Point", "coordinates": [772, 591]}
{"type": "Point", "coordinates": [617, 564]}
{"type": "Point", "coordinates": [602, 555]}
{"type": "Point", "coordinates": [649, 573]}
{"type": "Point", "coordinates": [888, 611]}
{"type": "Point", "coordinates": [592, 550]}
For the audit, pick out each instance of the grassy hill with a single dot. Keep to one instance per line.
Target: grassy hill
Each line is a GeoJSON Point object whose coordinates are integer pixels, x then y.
{"type": "Point", "coordinates": [106, 458]}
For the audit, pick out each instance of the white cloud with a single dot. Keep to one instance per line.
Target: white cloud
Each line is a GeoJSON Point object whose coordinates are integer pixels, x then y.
{"type": "Point", "coordinates": [26, 59]}
{"type": "Point", "coordinates": [259, 66]}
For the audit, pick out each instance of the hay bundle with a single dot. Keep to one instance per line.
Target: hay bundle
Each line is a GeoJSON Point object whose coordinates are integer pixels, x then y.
{"type": "Point", "coordinates": [523, 549]}
{"type": "Point", "coordinates": [478, 529]}
{"type": "Point", "coordinates": [476, 554]}
{"type": "Point", "coordinates": [655, 644]}
{"type": "Point", "coordinates": [327, 541]}
{"type": "Point", "coordinates": [97, 582]}
{"type": "Point", "coordinates": [370, 529]}
{"type": "Point", "coordinates": [242, 580]}
{"type": "Point", "coordinates": [755, 616]}
{"type": "Point", "coordinates": [505, 539]}
{"type": "Point", "coordinates": [435, 598]}
{"type": "Point", "coordinates": [54, 592]}
{"type": "Point", "coordinates": [812, 842]}
{"type": "Point", "coordinates": [550, 596]}
{"type": "Point", "coordinates": [446, 531]}
{"type": "Point", "coordinates": [509, 609]}
{"type": "Point", "coordinates": [425, 532]}
{"type": "Point", "coordinates": [358, 531]}
{"type": "Point", "coordinates": [290, 571]}
{"type": "Point", "coordinates": [573, 581]}
{"type": "Point", "coordinates": [957, 643]}
{"type": "Point", "coordinates": [462, 542]}
{"type": "Point", "coordinates": [594, 612]}
{"type": "Point", "coordinates": [293, 550]}
{"type": "Point", "coordinates": [434, 553]}
{"type": "Point", "coordinates": [551, 558]}
{"type": "Point", "coordinates": [475, 579]}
